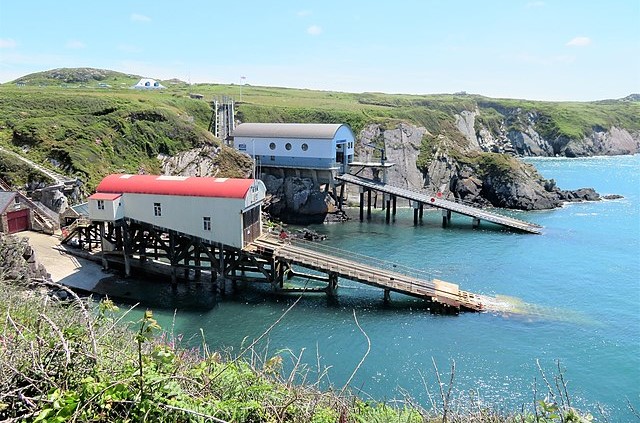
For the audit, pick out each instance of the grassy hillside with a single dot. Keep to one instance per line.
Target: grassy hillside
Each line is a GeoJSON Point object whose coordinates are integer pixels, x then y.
{"type": "Point", "coordinates": [92, 132]}
{"type": "Point", "coordinates": [89, 122]}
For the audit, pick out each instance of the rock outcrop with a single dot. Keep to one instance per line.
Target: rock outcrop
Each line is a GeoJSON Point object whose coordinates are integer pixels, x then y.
{"type": "Point", "coordinates": [18, 260]}
{"type": "Point", "coordinates": [465, 172]}
{"type": "Point", "coordinates": [299, 200]}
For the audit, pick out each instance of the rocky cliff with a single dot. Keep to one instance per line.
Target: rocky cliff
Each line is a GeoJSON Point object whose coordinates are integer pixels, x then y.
{"type": "Point", "coordinates": [460, 168]}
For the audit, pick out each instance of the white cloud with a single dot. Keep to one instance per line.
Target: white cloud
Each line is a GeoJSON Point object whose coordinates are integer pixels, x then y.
{"type": "Point", "coordinates": [532, 4]}
{"type": "Point", "coordinates": [75, 44]}
{"type": "Point", "coordinates": [579, 42]}
{"type": "Point", "coordinates": [136, 17]}
{"type": "Point", "coordinates": [314, 30]}
{"type": "Point", "coordinates": [7, 43]}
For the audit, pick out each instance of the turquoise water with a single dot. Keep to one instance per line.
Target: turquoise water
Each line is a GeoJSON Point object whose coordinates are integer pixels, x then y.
{"type": "Point", "coordinates": [581, 279]}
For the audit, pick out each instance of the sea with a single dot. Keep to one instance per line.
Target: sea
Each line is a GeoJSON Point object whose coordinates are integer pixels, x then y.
{"type": "Point", "coordinates": [574, 291]}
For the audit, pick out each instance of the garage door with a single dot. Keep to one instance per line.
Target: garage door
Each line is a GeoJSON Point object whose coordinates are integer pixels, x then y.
{"type": "Point", "coordinates": [18, 220]}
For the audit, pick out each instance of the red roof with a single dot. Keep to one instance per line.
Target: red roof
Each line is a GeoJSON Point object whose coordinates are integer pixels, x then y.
{"type": "Point", "coordinates": [175, 185]}
{"type": "Point", "coordinates": [105, 196]}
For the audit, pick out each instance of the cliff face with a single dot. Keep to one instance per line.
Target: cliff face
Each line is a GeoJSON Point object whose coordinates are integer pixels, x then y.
{"type": "Point", "coordinates": [519, 132]}
{"type": "Point", "coordinates": [461, 168]}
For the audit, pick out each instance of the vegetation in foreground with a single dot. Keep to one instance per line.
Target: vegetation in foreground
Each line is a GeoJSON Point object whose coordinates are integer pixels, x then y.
{"type": "Point", "coordinates": [81, 361]}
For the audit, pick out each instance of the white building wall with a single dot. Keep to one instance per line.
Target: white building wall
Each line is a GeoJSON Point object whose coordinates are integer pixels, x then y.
{"type": "Point", "coordinates": [316, 148]}
{"type": "Point", "coordinates": [185, 214]}
{"type": "Point", "coordinates": [112, 211]}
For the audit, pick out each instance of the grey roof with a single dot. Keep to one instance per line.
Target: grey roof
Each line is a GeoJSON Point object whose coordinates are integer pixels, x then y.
{"type": "Point", "coordinates": [6, 197]}
{"type": "Point", "coordinates": [287, 130]}
{"type": "Point", "coordinates": [82, 209]}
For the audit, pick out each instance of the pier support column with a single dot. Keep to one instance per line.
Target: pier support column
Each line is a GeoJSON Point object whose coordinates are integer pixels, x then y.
{"type": "Point", "coordinates": [475, 223]}
{"type": "Point", "coordinates": [387, 296]}
{"type": "Point", "coordinates": [446, 217]}
{"type": "Point", "coordinates": [368, 204]}
{"type": "Point", "coordinates": [172, 255]}
{"type": "Point", "coordinates": [105, 263]}
{"type": "Point", "coordinates": [332, 286]}
{"type": "Point", "coordinates": [415, 206]}
{"type": "Point", "coordinates": [341, 198]}
{"type": "Point", "coordinates": [126, 249]}
{"type": "Point", "coordinates": [394, 199]}
{"type": "Point", "coordinates": [361, 204]}
{"type": "Point", "coordinates": [421, 211]}
{"type": "Point", "coordinates": [388, 205]}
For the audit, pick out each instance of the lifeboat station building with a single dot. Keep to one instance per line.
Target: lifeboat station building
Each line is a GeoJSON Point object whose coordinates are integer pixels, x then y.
{"type": "Point", "coordinates": [213, 210]}
{"type": "Point", "coordinates": [318, 146]}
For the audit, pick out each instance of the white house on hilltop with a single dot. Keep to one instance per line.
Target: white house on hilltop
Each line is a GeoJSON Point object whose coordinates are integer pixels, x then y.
{"type": "Point", "coordinates": [148, 84]}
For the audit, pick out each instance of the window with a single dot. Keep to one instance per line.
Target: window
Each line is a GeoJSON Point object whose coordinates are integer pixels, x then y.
{"type": "Point", "coordinates": [157, 209]}
{"type": "Point", "coordinates": [288, 146]}
{"type": "Point", "coordinates": [305, 146]}
{"type": "Point", "coordinates": [206, 220]}
{"type": "Point", "coordinates": [100, 204]}
{"type": "Point", "coordinates": [242, 147]}
{"type": "Point", "coordinates": [272, 146]}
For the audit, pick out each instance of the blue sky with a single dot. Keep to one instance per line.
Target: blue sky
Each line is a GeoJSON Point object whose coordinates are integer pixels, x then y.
{"type": "Point", "coordinates": [539, 50]}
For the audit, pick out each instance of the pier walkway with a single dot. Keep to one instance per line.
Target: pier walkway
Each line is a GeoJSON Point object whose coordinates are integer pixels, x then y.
{"type": "Point", "coordinates": [444, 295]}
{"type": "Point", "coordinates": [446, 205]}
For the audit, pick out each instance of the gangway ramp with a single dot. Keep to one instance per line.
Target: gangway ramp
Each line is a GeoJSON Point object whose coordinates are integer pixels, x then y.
{"type": "Point", "coordinates": [442, 294]}
{"type": "Point", "coordinates": [435, 201]}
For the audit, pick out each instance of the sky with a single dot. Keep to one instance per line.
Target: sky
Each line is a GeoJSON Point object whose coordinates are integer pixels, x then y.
{"type": "Point", "coordinates": [556, 50]}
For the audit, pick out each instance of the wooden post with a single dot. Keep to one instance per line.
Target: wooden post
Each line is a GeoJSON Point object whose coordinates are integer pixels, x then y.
{"type": "Point", "coordinates": [387, 295]}
{"type": "Point", "coordinates": [368, 204]}
{"type": "Point", "coordinates": [361, 206]}
{"type": "Point", "coordinates": [421, 210]}
{"type": "Point", "coordinates": [332, 285]}
{"type": "Point", "coordinates": [172, 259]}
{"type": "Point", "coordinates": [415, 216]}
{"type": "Point", "coordinates": [105, 263]}
{"type": "Point", "coordinates": [388, 204]}
{"type": "Point", "coordinates": [475, 223]}
{"type": "Point", "coordinates": [341, 198]}
{"type": "Point", "coordinates": [394, 199]}
{"type": "Point", "coordinates": [126, 250]}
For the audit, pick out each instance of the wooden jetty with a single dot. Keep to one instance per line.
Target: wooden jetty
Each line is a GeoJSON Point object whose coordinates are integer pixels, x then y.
{"type": "Point", "coordinates": [418, 200]}
{"type": "Point", "coordinates": [138, 245]}
{"type": "Point", "coordinates": [443, 296]}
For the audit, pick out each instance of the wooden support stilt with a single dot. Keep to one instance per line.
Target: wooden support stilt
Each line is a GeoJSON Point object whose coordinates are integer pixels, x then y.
{"type": "Point", "coordinates": [368, 204]}
{"type": "Point", "coordinates": [446, 216]}
{"type": "Point", "coordinates": [126, 250]}
{"type": "Point", "coordinates": [341, 198]}
{"type": "Point", "coordinates": [172, 257]}
{"type": "Point", "coordinates": [332, 285]}
{"type": "Point", "coordinates": [415, 216]}
{"type": "Point", "coordinates": [361, 206]}
{"type": "Point", "coordinates": [421, 211]}
{"type": "Point", "coordinates": [105, 263]}
{"type": "Point", "coordinates": [394, 199]}
{"type": "Point", "coordinates": [475, 223]}
{"type": "Point", "coordinates": [387, 295]}
{"type": "Point", "coordinates": [388, 204]}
